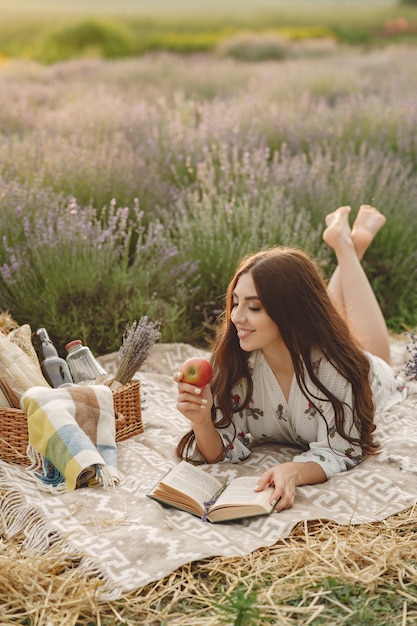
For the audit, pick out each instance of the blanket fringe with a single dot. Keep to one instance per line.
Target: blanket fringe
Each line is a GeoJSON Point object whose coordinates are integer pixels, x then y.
{"type": "Point", "coordinates": [19, 517]}
{"type": "Point", "coordinates": [51, 480]}
{"type": "Point", "coordinates": [40, 539]}
{"type": "Point", "coordinates": [99, 475]}
{"type": "Point", "coordinates": [105, 477]}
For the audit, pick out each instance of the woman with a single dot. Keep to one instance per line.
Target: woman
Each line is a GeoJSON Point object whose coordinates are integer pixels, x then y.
{"type": "Point", "coordinates": [297, 362]}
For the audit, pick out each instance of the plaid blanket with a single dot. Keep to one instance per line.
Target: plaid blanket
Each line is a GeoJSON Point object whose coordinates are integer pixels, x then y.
{"type": "Point", "coordinates": [72, 435]}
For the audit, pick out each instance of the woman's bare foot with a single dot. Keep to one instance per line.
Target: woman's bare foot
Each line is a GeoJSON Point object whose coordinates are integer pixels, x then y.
{"type": "Point", "coordinates": [366, 225]}
{"type": "Point", "coordinates": [338, 234]}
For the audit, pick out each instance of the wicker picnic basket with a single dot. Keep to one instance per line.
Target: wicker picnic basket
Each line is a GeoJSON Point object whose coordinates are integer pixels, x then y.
{"type": "Point", "coordinates": [14, 430]}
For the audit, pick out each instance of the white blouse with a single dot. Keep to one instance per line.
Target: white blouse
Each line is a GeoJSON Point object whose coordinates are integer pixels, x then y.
{"type": "Point", "coordinates": [269, 417]}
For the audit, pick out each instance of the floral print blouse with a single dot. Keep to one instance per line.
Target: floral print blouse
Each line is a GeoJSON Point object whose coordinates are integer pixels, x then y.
{"type": "Point", "coordinates": [269, 417]}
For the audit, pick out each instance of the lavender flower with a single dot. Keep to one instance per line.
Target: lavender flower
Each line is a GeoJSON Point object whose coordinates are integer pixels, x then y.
{"type": "Point", "coordinates": [410, 368]}
{"type": "Point", "coordinates": [138, 339]}
{"type": "Point", "coordinates": [209, 503]}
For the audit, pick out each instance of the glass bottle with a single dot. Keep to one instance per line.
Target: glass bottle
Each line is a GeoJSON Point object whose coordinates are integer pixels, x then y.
{"type": "Point", "coordinates": [54, 368]}
{"type": "Point", "coordinates": [83, 365]}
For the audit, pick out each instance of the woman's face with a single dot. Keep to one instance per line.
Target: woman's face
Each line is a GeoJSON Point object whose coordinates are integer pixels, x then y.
{"type": "Point", "coordinates": [255, 329]}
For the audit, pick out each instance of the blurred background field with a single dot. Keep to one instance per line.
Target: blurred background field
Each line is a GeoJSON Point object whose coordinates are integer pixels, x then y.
{"type": "Point", "coordinates": [49, 31]}
{"type": "Point", "coordinates": [142, 153]}
{"type": "Point", "coordinates": [185, 7]}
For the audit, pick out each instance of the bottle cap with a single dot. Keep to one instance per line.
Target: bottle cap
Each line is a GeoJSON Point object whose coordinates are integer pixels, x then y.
{"type": "Point", "coordinates": [71, 344]}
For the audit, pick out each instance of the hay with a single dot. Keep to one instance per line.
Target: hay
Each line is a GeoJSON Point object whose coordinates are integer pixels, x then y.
{"type": "Point", "coordinates": [290, 581]}
{"type": "Point", "coordinates": [7, 323]}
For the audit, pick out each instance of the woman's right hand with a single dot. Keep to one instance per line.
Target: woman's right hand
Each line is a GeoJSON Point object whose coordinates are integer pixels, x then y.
{"type": "Point", "coordinates": [195, 403]}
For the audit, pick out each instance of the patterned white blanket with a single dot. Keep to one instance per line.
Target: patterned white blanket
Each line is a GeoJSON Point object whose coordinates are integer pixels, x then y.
{"type": "Point", "coordinates": [128, 540]}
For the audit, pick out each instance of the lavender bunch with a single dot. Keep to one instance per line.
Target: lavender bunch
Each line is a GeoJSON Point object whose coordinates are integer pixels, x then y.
{"type": "Point", "coordinates": [410, 368]}
{"type": "Point", "coordinates": [138, 339]}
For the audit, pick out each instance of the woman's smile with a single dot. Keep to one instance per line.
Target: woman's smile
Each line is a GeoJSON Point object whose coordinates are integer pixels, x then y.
{"type": "Point", "coordinates": [243, 332]}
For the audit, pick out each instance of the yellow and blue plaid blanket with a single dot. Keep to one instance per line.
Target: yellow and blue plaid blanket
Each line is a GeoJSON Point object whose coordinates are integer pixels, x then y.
{"type": "Point", "coordinates": [72, 439]}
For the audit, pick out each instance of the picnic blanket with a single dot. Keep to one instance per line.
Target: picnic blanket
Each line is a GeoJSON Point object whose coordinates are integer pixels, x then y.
{"type": "Point", "coordinates": [72, 435]}
{"type": "Point", "coordinates": [127, 540]}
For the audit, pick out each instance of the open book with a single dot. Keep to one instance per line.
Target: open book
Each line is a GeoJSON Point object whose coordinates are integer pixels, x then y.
{"type": "Point", "coordinates": [191, 489]}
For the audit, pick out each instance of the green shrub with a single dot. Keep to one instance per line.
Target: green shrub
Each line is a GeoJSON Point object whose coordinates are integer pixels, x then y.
{"type": "Point", "coordinates": [180, 42]}
{"type": "Point", "coordinates": [84, 273]}
{"type": "Point", "coordinates": [254, 47]}
{"type": "Point", "coordinates": [87, 38]}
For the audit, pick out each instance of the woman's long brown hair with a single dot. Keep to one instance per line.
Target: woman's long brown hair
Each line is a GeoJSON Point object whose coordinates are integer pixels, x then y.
{"type": "Point", "coordinates": [294, 295]}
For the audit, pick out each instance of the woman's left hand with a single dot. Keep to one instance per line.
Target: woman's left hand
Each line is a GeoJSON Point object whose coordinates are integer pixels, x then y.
{"type": "Point", "coordinates": [286, 477]}
{"type": "Point", "coordinates": [283, 478]}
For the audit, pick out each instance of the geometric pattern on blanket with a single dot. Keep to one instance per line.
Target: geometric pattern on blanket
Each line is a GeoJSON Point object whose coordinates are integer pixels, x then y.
{"type": "Point", "coordinates": [129, 540]}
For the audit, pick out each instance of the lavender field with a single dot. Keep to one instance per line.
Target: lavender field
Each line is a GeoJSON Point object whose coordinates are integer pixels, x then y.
{"type": "Point", "coordinates": [132, 187]}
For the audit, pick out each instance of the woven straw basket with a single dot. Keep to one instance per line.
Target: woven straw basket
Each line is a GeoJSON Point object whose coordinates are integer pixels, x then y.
{"type": "Point", "coordinates": [14, 430]}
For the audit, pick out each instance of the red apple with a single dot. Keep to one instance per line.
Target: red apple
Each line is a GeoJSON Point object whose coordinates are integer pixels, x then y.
{"type": "Point", "coordinates": [196, 371]}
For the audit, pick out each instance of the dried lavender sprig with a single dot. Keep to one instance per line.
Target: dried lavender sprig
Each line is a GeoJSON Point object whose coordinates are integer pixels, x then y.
{"type": "Point", "coordinates": [410, 368]}
{"type": "Point", "coordinates": [209, 503]}
{"type": "Point", "coordinates": [138, 339]}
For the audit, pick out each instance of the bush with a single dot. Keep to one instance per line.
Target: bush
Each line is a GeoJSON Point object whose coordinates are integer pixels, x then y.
{"type": "Point", "coordinates": [85, 274]}
{"type": "Point", "coordinates": [277, 45]}
{"type": "Point", "coordinates": [88, 38]}
{"type": "Point", "coordinates": [254, 47]}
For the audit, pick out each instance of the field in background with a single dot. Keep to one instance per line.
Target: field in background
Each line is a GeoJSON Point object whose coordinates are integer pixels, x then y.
{"type": "Point", "coordinates": [132, 187]}
{"type": "Point", "coordinates": [143, 146]}
{"type": "Point", "coordinates": [186, 7]}
{"type": "Point", "coordinates": [48, 31]}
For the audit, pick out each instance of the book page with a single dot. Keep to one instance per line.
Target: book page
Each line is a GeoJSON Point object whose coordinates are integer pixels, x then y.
{"type": "Point", "coordinates": [192, 481]}
{"type": "Point", "coordinates": [241, 491]}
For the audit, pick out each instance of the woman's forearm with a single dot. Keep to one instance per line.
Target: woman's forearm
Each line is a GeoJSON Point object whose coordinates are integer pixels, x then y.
{"type": "Point", "coordinates": [208, 442]}
{"type": "Point", "coordinates": [308, 473]}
